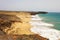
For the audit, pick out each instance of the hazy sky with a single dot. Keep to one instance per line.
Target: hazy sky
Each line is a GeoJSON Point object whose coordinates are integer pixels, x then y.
{"type": "Point", "coordinates": [30, 5]}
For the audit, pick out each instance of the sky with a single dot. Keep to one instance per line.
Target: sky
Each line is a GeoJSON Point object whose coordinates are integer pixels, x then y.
{"type": "Point", "coordinates": [30, 5]}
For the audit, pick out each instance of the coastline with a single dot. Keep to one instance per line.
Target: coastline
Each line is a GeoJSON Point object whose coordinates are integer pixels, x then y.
{"type": "Point", "coordinates": [31, 24]}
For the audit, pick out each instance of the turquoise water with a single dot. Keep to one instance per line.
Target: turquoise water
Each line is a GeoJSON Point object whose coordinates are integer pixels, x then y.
{"type": "Point", "coordinates": [52, 17]}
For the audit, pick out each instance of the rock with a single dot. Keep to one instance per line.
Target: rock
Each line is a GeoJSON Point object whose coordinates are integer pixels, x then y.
{"type": "Point", "coordinates": [22, 37]}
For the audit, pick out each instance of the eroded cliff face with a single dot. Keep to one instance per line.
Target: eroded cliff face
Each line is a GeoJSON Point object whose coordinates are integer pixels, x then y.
{"type": "Point", "coordinates": [22, 27]}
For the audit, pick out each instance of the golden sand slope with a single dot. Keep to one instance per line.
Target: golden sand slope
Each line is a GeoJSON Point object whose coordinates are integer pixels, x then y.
{"type": "Point", "coordinates": [22, 27]}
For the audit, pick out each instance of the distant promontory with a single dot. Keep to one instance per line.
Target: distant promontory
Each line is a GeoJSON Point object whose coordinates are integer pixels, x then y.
{"type": "Point", "coordinates": [31, 12]}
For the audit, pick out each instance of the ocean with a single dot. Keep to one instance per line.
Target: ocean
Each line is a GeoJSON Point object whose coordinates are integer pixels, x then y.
{"type": "Point", "coordinates": [53, 18]}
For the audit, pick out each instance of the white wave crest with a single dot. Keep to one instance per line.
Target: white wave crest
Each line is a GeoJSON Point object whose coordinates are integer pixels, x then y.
{"type": "Point", "coordinates": [43, 29]}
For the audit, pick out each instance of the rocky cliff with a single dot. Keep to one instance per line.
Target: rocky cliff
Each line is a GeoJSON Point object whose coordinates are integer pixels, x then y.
{"type": "Point", "coordinates": [16, 23]}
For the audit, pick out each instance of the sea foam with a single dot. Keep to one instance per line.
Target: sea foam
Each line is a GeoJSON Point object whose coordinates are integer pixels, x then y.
{"type": "Point", "coordinates": [44, 29]}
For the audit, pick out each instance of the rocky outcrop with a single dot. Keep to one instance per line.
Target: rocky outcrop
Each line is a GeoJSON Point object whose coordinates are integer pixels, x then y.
{"type": "Point", "coordinates": [22, 37]}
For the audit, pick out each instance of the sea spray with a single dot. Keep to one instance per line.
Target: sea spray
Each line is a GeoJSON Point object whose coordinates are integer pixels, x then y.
{"type": "Point", "coordinates": [36, 20]}
{"type": "Point", "coordinates": [52, 17]}
{"type": "Point", "coordinates": [49, 33]}
{"type": "Point", "coordinates": [43, 29]}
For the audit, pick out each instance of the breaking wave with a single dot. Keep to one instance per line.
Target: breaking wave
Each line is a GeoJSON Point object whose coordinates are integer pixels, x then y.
{"type": "Point", "coordinates": [44, 29]}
